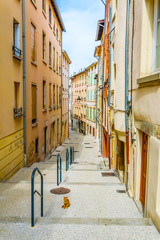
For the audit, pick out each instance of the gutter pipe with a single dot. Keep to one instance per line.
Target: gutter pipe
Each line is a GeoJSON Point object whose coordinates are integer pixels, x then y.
{"type": "Point", "coordinates": [61, 85]}
{"type": "Point", "coordinates": [126, 92]}
{"type": "Point", "coordinates": [109, 81]}
{"type": "Point", "coordinates": [24, 82]}
{"type": "Point", "coordinates": [102, 83]}
{"type": "Point", "coordinates": [68, 99]}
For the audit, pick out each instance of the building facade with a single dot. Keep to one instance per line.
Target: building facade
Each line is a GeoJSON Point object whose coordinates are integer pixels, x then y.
{"type": "Point", "coordinates": [11, 89]}
{"type": "Point", "coordinates": [43, 32]}
{"type": "Point", "coordinates": [91, 72]}
{"type": "Point", "coordinates": [78, 118]}
{"type": "Point", "coordinates": [65, 96]}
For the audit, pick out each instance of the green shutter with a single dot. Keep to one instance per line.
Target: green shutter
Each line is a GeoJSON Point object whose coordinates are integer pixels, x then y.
{"type": "Point", "coordinates": [93, 114]}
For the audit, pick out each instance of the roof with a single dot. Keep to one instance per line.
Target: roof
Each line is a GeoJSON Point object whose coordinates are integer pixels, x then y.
{"type": "Point", "coordinates": [58, 15]}
{"type": "Point", "coordinates": [66, 55]}
{"type": "Point", "coordinates": [75, 75]}
{"type": "Point", "coordinates": [91, 65]}
{"type": "Point", "coordinates": [99, 32]}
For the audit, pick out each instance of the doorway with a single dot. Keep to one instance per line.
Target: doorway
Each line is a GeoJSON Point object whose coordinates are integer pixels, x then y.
{"type": "Point", "coordinates": [143, 168]}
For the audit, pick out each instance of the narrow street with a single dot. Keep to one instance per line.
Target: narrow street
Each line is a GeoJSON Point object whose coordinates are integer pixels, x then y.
{"type": "Point", "coordinates": [97, 211]}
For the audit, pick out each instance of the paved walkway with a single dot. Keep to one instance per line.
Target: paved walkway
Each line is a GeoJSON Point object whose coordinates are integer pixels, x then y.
{"type": "Point", "coordinates": [97, 210]}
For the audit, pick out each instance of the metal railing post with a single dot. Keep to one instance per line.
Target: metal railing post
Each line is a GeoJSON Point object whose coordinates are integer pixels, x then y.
{"type": "Point", "coordinates": [60, 169]}
{"type": "Point", "coordinates": [32, 195]}
{"type": "Point", "coordinates": [70, 155]}
{"type": "Point", "coordinates": [66, 159]}
{"type": "Point", "coordinates": [73, 154]}
{"type": "Point", "coordinates": [57, 169]}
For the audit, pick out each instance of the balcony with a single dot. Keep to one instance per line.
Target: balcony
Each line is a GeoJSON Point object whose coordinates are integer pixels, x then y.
{"type": "Point", "coordinates": [18, 112]}
{"type": "Point", "coordinates": [17, 53]}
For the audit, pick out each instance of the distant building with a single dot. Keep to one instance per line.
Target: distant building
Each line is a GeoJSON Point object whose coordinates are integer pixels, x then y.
{"type": "Point", "coordinates": [78, 118]}
{"type": "Point", "coordinates": [65, 96]}
{"type": "Point", "coordinates": [91, 72]}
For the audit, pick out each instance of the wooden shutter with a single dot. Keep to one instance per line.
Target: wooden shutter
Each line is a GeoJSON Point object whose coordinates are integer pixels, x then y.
{"type": "Point", "coordinates": [33, 43]}
{"type": "Point", "coordinates": [50, 95]}
{"type": "Point", "coordinates": [34, 102]}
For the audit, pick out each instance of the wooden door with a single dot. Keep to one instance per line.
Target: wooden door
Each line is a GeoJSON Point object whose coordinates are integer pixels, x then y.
{"type": "Point", "coordinates": [143, 168]}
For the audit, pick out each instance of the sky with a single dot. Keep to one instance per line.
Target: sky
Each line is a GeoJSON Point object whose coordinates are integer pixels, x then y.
{"type": "Point", "coordinates": [80, 19]}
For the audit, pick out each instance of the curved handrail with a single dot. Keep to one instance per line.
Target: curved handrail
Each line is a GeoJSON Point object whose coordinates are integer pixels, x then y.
{"type": "Point", "coordinates": [32, 195]}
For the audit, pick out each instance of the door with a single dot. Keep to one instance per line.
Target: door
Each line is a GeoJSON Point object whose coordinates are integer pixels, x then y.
{"type": "Point", "coordinates": [143, 168]}
{"type": "Point", "coordinates": [45, 141]}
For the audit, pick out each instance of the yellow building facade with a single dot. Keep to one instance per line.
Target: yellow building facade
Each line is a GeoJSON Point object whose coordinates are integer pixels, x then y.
{"type": "Point", "coordinates": [44, 28]}
{"type": "Point", "coordinates": [11, 89]}
{"type": "Point", "coordinates": [65, 96]}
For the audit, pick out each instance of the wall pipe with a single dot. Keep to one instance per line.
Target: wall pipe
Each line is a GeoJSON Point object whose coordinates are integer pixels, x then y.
{"type": "Point", "coordinates": [126, 93]}
{"type": "Point", "coordinates": [132, 139]}
{"type": "Point", "coordinates": [61, 85]}
{"type": "Point", "coordinates": [24, 82]}
{"type": "Point", "coordinates": [68, 99]}
{"type": "Point", "coordinates": [102, 83]}
{"type": "Point", "coordinates": [109, 81]}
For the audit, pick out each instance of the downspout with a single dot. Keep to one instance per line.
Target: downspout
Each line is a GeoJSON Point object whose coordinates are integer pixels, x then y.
{"type": "Point", "coordinates": [132, 139]}
{"type": "Point", "coordinates": [24, 83]}
{"type": "Point", "coordinates": [97, 93]}
{"type": "Point", "coordinates": [68, 99]}
{"type": "Point", "coordinates": [61, 85]}
{"type": "Point", "coordinates": [126, 93]}
{"type": "Point", "coordinates": [109, 81]}
{"type": "Point", "coordinates": [103, 82]}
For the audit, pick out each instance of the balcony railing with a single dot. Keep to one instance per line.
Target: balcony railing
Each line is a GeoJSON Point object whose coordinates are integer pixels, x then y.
{"type": "Point", "coordinates": [17, 52]}
{"type": "Point", "coordinates": [18, 112]}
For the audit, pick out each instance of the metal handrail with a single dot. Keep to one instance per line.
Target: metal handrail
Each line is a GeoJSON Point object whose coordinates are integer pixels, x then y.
{"type": "Point", "coordinates": [59, 168]}
{"type": "Point", "coordinates": [67, 159]}
{"type": "Point", "coordinates": [32, 195]}
{"type": "Point", "coordinates": [71, 154]}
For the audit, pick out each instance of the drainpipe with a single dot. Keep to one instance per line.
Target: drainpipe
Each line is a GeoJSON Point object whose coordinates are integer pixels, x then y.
{"type": "Point", "coordinates": [97, 92]}
{"type": "Point", "coordinates": [102, 83]}
{"type": "Point", "coordinates": [61, 85]}
{"type": "Point", "coordinates": [109, 81]}
{"type": "Point", "coordinates": [126, 92]}
{"type": "Point", "coordinates": [68, 99]}
{"type": "Point", "coordinates": [24, 83]}
{"type": "Point", "coordinates": [132, 139]}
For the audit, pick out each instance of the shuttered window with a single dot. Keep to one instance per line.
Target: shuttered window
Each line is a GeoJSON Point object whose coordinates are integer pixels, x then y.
{"type": "Point", "coordinates": [57, 96]}
{"type": "Point", "coordinates": [57, 61]}
{"type": "Point", "coordinates": [50, 15]}
{"type": "Point", "coordinates": [44, 46]}
{"type": "Point", "coordinates": [94, 117]}
{"type": "Point", "coordinates": [33, 43]}
{"type": "Point", "coordinates": [54, 63]}
{"type": "Point", "coordinates": [91, 113]}
{"type": "Point", "coordinates": [87, 112]}
{"type": "Point", "coordinates": [50, 97]}
{"type": "Point", "coordinates": [50, 54]}
{"type": "Point", "coordinates": [54, 97]}
{"type": "Point", "coordinates": [44, 5]}
{"type": "Point", "coordinates": [44, 95]}
{"type": "Point", "coordinates": [59, 64]}
{"type": "Point", "coordinates": [34, 103]}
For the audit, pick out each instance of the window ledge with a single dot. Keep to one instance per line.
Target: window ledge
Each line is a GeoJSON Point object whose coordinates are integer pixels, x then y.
{"type": "Point", "coordinates": [34, 124]}
{"type": "Point", "coordinates": [54, 69]}
{"type": "Point", "coordinates": [54, 32]}
{"type": "Point", "coordinates": [44, 61]}
{"type": "Point", "coordinates": [50, 25]}
{"type": "Point", "coordinates": [149, 80]}
{"type": "Point", "coordinates": [50, 66]}
{"type": "Point", "coordinates": [34, 4]}
{"type": "Point", "coordinates": [44, 110]}
{"type": "Point", "coordinates": [34, 63]}
{"type": "Point", "coordinates": [44, 13]}
{"type": "Point", "coordinates": [17, 57]}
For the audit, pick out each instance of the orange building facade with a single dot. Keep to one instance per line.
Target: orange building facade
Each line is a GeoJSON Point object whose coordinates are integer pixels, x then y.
{"type": "Point", "coordinates": [44, 28]}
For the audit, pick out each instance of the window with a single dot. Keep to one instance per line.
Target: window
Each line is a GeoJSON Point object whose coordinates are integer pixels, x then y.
{"type": "Point", "coordinates": [94, 118]}
{"type": "Point", "coordinates": [94, 94]}
{"type": "Point", "coordinates": [34, 104]}
{"type": "Point", "coordinates": [44, 46]}
{"type": "Point", "coordinates": [59, 64]}
{"type": "Point", "coordinates": [16, 39]}
{"type": "Point", "coordinates": [44, 96]}
{"type": "Point", "coordinates": [59, 97]}
{"type": "Point", "coordinates": [16, 95]}
{"type": "Point", "coordinates": [91, 79]}
{"type": "Point", "coordinates": [33, 43]}
{"type": "Point", "coordinates": [57, 33]}
{"type": "Point", "coordinates": [54, 63]}
{"type": "Point", "coordinates": [158, 37]}
{"type": "Point", "coordinates": [50, 54]}
{"type": "Point", "coordinates": [54, 27]}
{"type": "Point", "coordinates": [50, 15]}
{"type": "Point", "coordinates": [50, 97]}
{"type": "Point", "coordinates": [91, 113]}
{"type": "Point", "coordinates": [87, 112]}
{"type": "Point", "coordinates": [57, 61]}
{"type": "Point", "coordinates": [44, 5]}
{"type": "Point", "coordinates": [36, 146]}
{"type": "Point", "coordinates": [91, 95]}
{"type": "Point", "coordinates": [54, 96]}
